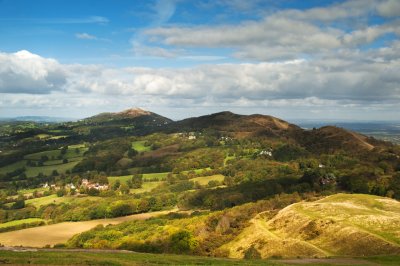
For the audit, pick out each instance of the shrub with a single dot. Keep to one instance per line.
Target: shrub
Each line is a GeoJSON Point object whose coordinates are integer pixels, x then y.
{"type": "Point", "coordinates": [183, 242]}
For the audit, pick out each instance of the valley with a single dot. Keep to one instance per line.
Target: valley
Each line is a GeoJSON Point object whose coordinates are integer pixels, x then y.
{"type": "Point", "coordinates": [224, 185]}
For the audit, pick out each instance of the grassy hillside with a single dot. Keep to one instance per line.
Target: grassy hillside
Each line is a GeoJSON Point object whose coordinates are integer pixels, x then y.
{"type": "Point", "coordinates": [342, 224]}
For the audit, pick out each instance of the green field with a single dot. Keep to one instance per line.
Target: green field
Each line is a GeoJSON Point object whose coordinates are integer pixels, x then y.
{"type": "Point", "coordinates": [18, 222]}
{"type": "Point", "coordinates": [47, 170]}
{"type": "Point", "coordinates": [146, 187]}
{"type": "Point", "coordinates": [52, 164]}
{"type": "Point", "coordinates": [70, 153]}
{"type": "Point", "coordinates": [37, 202]}
{"type": "Point", "coordinates": [125, 178]}
{"type": "Point", "coordinates": [203, 180]}
{"type": "Point", "coordinates": [140, 147]}
{"type": "Point", "coordinates": [12, 167]}
{"type": "Point", "coordinates": [106, 258]}
{"type": "Point", "coordinates": [70, 257]}
{"type": "Point", "coordinates": [159, 176]}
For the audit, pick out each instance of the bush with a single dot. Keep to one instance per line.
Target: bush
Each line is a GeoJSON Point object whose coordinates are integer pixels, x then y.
{"type": "Point", "coordinates": [19, 204]}
{"type": "Point", "coordinates": [183, 242]}
{"type": "Point", "coordinates": [252, 253]}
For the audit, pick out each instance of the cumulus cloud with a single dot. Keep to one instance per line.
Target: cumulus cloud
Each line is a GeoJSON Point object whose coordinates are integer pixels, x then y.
{"type": "Point", "coordinates": [349, 78]}
{"type": "Point", "coordinates": [24, 72]}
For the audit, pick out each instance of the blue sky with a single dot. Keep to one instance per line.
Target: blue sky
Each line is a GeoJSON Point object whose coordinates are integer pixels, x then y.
{"type": "Point", "coordinates": [292, 59]}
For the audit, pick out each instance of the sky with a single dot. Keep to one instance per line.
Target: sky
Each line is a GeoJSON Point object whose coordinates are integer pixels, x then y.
{"type": "Point", "coordinates": [180, 58]}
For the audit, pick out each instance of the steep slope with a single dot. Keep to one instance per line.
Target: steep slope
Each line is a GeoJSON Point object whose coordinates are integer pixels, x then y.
{"type": "Point", "coordinates": [341, 224]}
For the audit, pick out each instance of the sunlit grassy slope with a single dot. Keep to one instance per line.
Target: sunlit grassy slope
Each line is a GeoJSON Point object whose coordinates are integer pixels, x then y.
{"type": "Point", "coordinates": [342, 224]}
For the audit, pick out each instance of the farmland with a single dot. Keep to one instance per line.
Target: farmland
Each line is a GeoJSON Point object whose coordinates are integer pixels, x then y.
{"type": "Point", "coordinates": [61, 232]}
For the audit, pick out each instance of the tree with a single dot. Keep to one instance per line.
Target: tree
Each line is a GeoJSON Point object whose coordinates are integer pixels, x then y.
{"type": "Point", "coordinates": [19, 204]}
{"type": "Point", "coordinates": [93, 191]}
{"type": "Point", "coordinates": [395, 185]}
{"type": "Point", "coordinates": [137, 181]}
{"type": "Point", "coordinates": [64, 150]}
{"type": "Point", "coordinates": [252, 253]}
{"type": "Point", "coordinates": [132, 153]}
{"type": "Point", "coordinates": [116, 185]}
{"type": "Point", "coordinates": [183, 242]}
{"type": "Point", "coordinates": [124, 189]}
{"type": "Point", "coordinates": [129, 183]}
{"type": "Point", "coordinates": [61, 192]}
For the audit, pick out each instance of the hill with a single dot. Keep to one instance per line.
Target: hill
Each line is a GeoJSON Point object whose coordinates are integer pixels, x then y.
{"type": "Point", "coordinates": [131, 114]}
{"type": "Point", "coordinates": [342, 224]}
{"type": "Point", "coordinates": [238, 125]}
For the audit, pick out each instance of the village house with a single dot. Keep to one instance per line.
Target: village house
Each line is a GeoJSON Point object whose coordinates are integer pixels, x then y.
{"type": "Point", "coordinates": [266, 152]}
{"type": "Point", "coordinates": [86, 184]}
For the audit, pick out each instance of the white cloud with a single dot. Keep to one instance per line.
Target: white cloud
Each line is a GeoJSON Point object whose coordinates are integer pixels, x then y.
{"type": "Point", "coordinates": [348, 79]}
{"type": "Point", "coordinates": [85, 36]}
{"type": "Point", "coordinates": [24, 72]}
{"type": "Point", "coordinates": [389, 8]}
{"type": "Point", "coordinates": [289, 34]}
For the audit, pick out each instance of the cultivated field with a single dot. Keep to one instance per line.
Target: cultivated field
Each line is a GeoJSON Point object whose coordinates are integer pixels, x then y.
{"type": "Point", "coordinates": [60, 233]}
{"type": "Point", "coordinates": [203, 180]}
{"type": "Point", "coordinates": [140, 147]}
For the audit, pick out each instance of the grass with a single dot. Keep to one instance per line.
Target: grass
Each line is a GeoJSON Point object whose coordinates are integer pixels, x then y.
{"type": "Point", "coordinates": [146, 187]}
{"type": "Point", "coordinates": [106, 258]}
{"type": "Point", "coordinates": [12, 167]}
{"type": "Point", "coordinates": [70, 153]}
{"type": "Point", "coordinates": [125, 178]}
{"type": "Point", "coordinates": [50, 165]}
{"type": "Point", "coordinates": [203, 180]}
{"type": "Point", "coordinates": [47, 170]}
{"type": "Point", "coordinates": [37, 202]}
{"type": "Point", "coordinates": [158, 176]}
{"type": "Point", "coordinates": [61, 232]}
{"type": "Point", "coordinates": [18, 222]}
{"type": "Point", "coordinates": [338, 225]}
{"type": "Point", "coordinates": [140, 147]}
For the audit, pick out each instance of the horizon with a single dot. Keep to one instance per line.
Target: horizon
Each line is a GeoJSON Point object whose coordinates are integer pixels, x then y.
{"type": "Point", "coordinates": [291, 120]}
{"type": "Point", "coordinates": [321, 60]}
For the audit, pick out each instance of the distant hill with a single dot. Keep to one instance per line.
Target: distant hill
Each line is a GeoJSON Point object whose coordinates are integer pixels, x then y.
{"type": "Point", "coordinates": [128, 115]}
{"type": "Point", "coordinates": [325, 139]}
{"type": "Point", "coordinates": [342, 224]}
{"type": "Point", "coordinates": [238, 125]}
